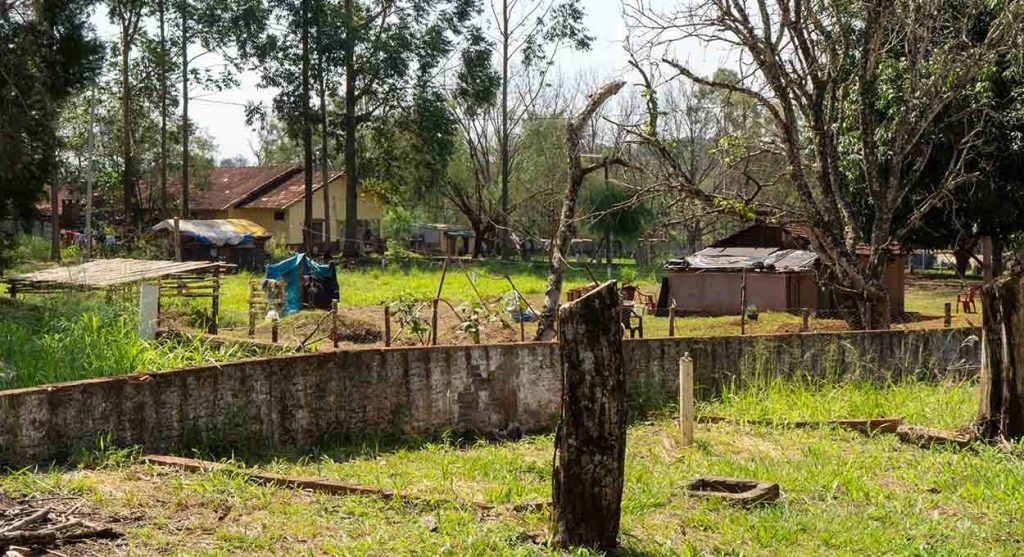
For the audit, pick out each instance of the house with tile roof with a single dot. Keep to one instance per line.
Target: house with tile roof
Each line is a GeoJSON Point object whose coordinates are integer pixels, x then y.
{"type": "Point", "coordinates": [272, 197]}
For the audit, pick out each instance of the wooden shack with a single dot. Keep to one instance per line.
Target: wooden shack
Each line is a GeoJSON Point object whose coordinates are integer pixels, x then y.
{"type": "Point", "coordinates": [782, 274]}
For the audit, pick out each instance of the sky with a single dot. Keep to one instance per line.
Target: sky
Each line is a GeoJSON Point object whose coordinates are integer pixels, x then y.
{"type": "Point", "coordinates": [221, 114]}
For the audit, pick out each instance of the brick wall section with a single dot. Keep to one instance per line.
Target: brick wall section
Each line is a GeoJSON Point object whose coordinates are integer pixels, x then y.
{"type": "Point", "coordinates": [298, 401]}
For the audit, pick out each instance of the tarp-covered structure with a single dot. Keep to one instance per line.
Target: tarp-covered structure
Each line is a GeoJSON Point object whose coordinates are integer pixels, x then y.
{"type": "Point", "coordinates": [216, 232]}
{"type": "Point", "coordinates": [236, 241]}
{"type": "Point", "coordinates": [781, 268]}
{"type": "Point", "coordinates": [303, 279]}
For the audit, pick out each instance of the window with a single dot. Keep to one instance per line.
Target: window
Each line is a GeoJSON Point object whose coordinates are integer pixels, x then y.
{"type": "Point", "coordinates": [278, 215]}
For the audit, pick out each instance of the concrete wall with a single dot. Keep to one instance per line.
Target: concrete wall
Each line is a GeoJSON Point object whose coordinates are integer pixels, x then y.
{"type": "Point", "coordinates": [300, 401]}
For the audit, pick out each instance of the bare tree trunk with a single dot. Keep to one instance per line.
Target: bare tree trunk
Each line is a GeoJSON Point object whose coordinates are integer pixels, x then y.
{"type": "Point", "coordinates": [351, 171]}
{"type": "Point", "coordinates": [307, 137]}
{"type": "Point", "coordinates": [324, 166]}
{"type": "Point", "coordinates": [54, 219]}
{"type": "Point", "coordinates": [567, 221]}
{"type": "Point", "coordinates": [503, 232]}
{"type": "Point", "coordinates": [590, 445]}
{"type": "Point", "coordinates": [127, 135]}
{"type": "Point", "coordinates": [161, 16]}
{"type": "Point", "coordinates": [184, 111]}
{"type": "Point", "coordinates": [1001, 404]}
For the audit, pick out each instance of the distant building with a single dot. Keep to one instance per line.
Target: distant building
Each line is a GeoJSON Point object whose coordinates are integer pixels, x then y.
{"type": "Point", "coordinates": [782, 274]}
{"type": "Point", "coordinates": [443, 239]}
{"type": "Point", "coordinates": [272, 197]}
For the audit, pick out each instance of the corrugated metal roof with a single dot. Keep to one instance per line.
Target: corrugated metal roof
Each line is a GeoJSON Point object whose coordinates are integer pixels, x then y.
{"type": "Point", "coordinates": [218, 232]}
{"type": "Point", "coordinates": [289, 192]}
{"type": "Point", "coordinates": [770, 259]}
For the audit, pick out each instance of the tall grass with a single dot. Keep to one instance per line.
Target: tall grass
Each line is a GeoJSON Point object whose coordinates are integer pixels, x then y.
{"type": "Point", "coordinates": [66, 337]}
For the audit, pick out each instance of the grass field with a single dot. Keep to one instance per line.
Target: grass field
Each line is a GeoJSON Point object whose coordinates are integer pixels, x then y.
{"type": "Point", "coordinates": [843, 493]}
{"type": "Point", "coordinates": [64, 337]}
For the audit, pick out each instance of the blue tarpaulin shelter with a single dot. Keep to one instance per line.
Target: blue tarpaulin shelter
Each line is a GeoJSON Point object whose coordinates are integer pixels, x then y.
{"type": "Point", "coordinates": [290, 272]}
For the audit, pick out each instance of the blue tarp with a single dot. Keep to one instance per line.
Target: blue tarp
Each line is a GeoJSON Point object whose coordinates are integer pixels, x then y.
{"type": "Point", "coordinates": [290, 272]}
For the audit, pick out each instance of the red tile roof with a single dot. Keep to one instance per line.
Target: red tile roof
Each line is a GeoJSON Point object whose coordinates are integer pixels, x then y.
{"type": "Point", "coordinates": [288, 193]}
{"type": "Point", "coordinates": [228, 186]}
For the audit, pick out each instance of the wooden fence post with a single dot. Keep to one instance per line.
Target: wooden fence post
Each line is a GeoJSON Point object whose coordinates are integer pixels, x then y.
{"type": "Point", "coordinates": [590, 443]}
{"type": "Point", "coordinates": [273, 331]}
{"type": "Point", "coordinates": [743, 303]}
{"type": "Point", "coordinates": [215, 303]}
{"type": "Point", "coordinates": [334, 323]}
{"type": "Point", "coordinates": [433, 324]}
{"type": "Point", "coordinates": [947, 319]}
{"type": "Point", "coordinates": [805, 314]}
{"type": "Point", "coordinates": [686, 402]}
{"type": "Point", "coordinates": [672, 319]}
{"type": "Point", "coordinates": [387, 325]}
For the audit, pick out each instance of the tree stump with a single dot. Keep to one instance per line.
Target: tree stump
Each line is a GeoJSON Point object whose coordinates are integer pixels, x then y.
{"type": "Point", "coordinates": [1001, 408]}
{"type": "Point", "coordinates": [590, 445]}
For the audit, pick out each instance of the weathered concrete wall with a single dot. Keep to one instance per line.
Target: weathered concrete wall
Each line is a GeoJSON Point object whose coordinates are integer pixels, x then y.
{"type": "Point", "coordinates": [299, 401]}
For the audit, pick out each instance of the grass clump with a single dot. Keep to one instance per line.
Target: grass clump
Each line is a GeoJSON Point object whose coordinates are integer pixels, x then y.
{"type": "Point", "coordinates": [72, 336]}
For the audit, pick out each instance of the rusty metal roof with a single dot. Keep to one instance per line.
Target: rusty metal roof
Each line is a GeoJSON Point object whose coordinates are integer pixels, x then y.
{"type": "Point", "coordinates": [289, 192]}
{"type": "Point", "coordinates": [225, 187]}
{"type": "Point", "coordinates": [229, 186]}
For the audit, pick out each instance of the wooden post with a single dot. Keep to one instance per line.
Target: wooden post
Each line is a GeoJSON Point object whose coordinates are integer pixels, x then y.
{"type": "Point", "coordinates": [686, 402]}
{"type": "Point", "coordinates": [805, 314]}
{"type": "Point", "coordinates": [387, 325]}
{"type": "Point", "coordinates": [334, 323]}
{"type": "Point", "coordinates": [273, 331]}
{"type": "Point", "coordinates": [177, 240]}
{"type": "Point", "coordinates": [1001, 405]}
{"type": "Point", "coordinates": [590, 443]}
{"type": "Point", "coordinates": [947, 320]}
{"type": "Point", "coordinates": [672, 319]}
{"type": "Point", "coordinates": [433, 324]}
{"type": "Point", "coordinates": [522, 326]}
{"type": "Point", "coordinates": [215, 302]}
{"type": "Point", "coordinates": [252, 311]}
{"type": "Point", "coordinates": [743, 303]}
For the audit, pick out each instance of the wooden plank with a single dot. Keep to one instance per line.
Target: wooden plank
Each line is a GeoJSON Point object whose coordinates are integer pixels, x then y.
{"type": "Point", "coordinates": [321, 485]}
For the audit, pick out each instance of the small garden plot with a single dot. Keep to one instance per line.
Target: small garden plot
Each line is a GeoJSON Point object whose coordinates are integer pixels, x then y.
{"type": "Point", "coordinates": [842, 493]}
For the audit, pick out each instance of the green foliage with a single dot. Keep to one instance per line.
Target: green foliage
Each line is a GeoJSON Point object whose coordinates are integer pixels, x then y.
{"type": "Point", "coordinates": [614, 212]}
{"type": "Point", "coordinates": [398, 223]}
{"type": "Point", "coordinates": [49, 53]}
{"type": "Point", "coordinates": [406, 309]}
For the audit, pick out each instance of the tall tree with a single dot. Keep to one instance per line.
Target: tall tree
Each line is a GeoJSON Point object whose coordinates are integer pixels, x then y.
{"type": "Point", "coordinates": [49, 55]}
{"type": "Point", "coordinates": [529, 33]}
{"type": "Point", "coordinates": [127, 14]}
{"type": "Point", "coordinates": [856, 92]}
{"type": "Point", "coordinates": [394, 51]}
